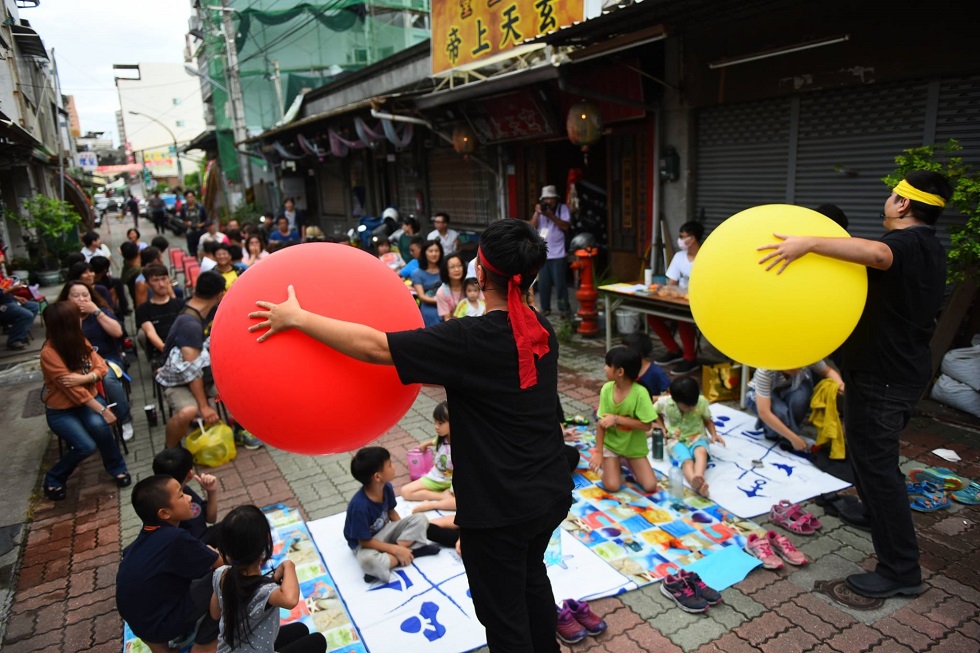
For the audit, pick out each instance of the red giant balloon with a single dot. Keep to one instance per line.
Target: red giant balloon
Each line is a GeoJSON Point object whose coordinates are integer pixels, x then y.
{"type": "Point", "coordinates": [291, 391]}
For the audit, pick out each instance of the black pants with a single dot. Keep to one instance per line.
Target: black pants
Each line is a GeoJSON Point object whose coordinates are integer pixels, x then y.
{"type": "Point", "coordinates": [509, 582]}
{"type": "Point", "coordinates": [875, 414]}
{"type": "Point", "coordinates": [296, 638]}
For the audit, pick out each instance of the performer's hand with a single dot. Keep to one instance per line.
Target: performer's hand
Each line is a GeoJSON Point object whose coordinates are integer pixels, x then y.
{"type": "Point", "coordinates": [278, 317]}
{"type": "Point", "coordinates": [787, 251]}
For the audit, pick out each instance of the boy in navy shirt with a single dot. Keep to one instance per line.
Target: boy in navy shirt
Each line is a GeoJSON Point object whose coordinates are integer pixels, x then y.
{"type": "Point", "coordinates": [380, 539]}
{"type": "Point", "coordinates": [178, 463]}
{"type": "Point", "coordinates": [163, 586]}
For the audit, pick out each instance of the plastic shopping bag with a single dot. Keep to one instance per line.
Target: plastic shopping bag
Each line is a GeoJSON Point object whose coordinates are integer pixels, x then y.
{"type": "Point", "coordinates": [211, 446]}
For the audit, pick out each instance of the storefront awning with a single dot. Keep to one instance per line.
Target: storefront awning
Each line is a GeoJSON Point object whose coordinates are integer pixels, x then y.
{"type": "Point", "coordinates": [207, 141]}
{"type": "Point", "coordinates": [28, 42]}
{"type": "Point", "coordinates": [489, 86]}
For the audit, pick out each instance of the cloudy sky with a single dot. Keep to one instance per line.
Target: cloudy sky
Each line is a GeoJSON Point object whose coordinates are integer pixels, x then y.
{"type": "Point", "coordinates": [89, 36]}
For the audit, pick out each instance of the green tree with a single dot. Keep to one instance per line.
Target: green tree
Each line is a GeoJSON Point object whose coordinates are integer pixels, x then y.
{"type": "Point", "coordinates": [964, 255]}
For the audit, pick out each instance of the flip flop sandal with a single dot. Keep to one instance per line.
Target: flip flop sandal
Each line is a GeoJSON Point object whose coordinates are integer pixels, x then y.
{"type": "Point", "coordinates": [794, 512]}
{"type": "Point", "coordinates": [922, 503]}
{"type": "Point", "coordinates": [801, 525]}
{"type": "Point", "coordinates": [970, 495]}
{"type": "Point", "coordinates": [938, 476]}
{"type": "Point", "coordinates": [924, 489]}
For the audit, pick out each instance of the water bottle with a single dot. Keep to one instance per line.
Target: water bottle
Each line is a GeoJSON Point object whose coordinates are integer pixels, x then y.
{"type": "Point", "coordinates": [676, 480]}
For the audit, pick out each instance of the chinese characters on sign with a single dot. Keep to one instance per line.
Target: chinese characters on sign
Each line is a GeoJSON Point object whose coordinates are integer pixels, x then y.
{"type": "Point", "coordinates": [464, 31]}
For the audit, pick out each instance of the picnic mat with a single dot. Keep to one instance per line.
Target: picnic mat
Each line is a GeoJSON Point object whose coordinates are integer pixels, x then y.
{"type": "Point", "coordinates": [647, 537]}
{"type": "Point", "coordinates": [320, 607]}
{"type": "Point", "coordinates": [749, 489]}
{"type": "Point", "coordinates": [427, 604]}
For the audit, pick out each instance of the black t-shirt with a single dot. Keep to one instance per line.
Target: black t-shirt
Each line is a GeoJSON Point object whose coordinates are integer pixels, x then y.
{"type": "Point", "coordinates": [161, 316]}
{"type": "Point", "coordinates": [892, 337]}
{"type": "Point", "coordinates": [154, 579]}
{"type": "Point", "coordinates": [508, 458]}
{"type": "Point", "coordinates": [187, 331]}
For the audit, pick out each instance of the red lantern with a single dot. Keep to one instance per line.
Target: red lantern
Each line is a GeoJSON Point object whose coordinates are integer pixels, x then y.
{"type": "Point", "coordinates": [464, 140]}
{"type": "Point", "coordinates": [584, 126]}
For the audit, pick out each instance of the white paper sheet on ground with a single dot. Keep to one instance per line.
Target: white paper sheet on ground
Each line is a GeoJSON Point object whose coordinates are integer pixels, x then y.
{"type": "Point", "coordinates": [748, 491]}
{"type": "Point", "coordinates": [426, 606]}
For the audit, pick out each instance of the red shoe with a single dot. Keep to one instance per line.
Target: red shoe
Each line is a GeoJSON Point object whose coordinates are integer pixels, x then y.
{"type": "Point", "coordinates": [593, 624]}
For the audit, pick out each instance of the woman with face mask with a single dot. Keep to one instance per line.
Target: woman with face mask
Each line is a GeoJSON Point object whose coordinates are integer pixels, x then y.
{"type": "Point", "coordinates": [679, 274]}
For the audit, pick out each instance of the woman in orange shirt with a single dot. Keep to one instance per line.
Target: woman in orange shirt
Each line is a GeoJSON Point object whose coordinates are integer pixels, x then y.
{"type": "Point", "coordinates": [75, 412]}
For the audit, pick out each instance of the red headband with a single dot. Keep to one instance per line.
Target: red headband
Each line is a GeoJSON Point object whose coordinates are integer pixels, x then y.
{"type": "Point", "coordinates": [530, 336]}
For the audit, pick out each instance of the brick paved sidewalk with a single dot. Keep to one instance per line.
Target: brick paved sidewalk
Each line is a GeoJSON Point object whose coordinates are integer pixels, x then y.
{"type": "Point", "coordinates": [64, 597]}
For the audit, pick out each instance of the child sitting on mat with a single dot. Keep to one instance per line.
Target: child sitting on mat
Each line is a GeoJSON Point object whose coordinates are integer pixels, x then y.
{"type": "Point", "coordinates": [685, 418]}
{"type": "Point", "coordinates": [380, 539]}
{"type": "Point", "coordinates": [435, 488]}
{"type": "Point", "coordinates": [246, 602]}
{"type": "Point", "coordinates": [625, 417]}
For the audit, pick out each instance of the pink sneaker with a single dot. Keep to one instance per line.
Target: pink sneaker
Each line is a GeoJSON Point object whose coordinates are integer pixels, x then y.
{"type": "Point", "coordinates": [593, 624]}
{"type": "Point", "coordinates": [570, 631]}
{"type": "Point", "coordinates": [781, 545]}
{"type": "Point", "coordinates": [760, 548]}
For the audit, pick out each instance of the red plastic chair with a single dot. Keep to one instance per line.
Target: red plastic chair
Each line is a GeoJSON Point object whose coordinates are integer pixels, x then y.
{"type": "Point", "coordinates": [177, 260]}
{"type": "Point", "coordinates": [191, 271]}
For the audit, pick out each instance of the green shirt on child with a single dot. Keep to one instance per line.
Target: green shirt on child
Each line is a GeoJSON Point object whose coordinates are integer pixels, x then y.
{"type": "Point", "coordinates": [637, 404]}
{"type": "Point", "coordinates": [691, 425]}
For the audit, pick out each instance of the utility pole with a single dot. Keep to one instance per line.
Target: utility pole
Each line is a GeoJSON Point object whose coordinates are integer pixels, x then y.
{"type": "Point", "coordinates": [237, 102]}
{"type": "Point", "coordinates": [277, 80]}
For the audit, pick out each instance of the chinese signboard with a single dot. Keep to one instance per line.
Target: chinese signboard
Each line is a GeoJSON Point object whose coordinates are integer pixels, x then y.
{"type": "Point", "coordinates": [465, 31]}
{"type": "Point", "coordinates": [508, 117]}
{"type": "Point", "coordinates": [88, 161]}
{"type": "Point", "coordinates": [158, 158]}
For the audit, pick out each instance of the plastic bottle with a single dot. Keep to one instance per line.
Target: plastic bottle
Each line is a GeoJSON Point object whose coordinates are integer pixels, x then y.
{"type": "Point", "coordinates": [676, 480]}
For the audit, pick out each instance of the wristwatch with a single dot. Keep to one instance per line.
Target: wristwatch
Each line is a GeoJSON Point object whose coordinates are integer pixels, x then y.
{"type": "Point", "coordinates": [97, 312]}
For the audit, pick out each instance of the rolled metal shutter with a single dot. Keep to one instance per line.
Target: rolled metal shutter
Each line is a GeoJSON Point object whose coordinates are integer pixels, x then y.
{"type": "Point", "coordinates": [958, 117]}
{"type": "Point", "coordinates": [848, 140]}
{"type": "Point", "coordinates": [462, 188]}
{"type": "Point", "coordinates": [742, 158]}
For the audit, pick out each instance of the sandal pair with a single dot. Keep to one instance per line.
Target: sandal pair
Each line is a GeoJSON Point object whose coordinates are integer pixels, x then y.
{"type": "Point", "coordinates": [792, 517]}
{"type": "Point", "coordinates": [969, 495]}
{"type": "Point", "coordinates": [926, 497]}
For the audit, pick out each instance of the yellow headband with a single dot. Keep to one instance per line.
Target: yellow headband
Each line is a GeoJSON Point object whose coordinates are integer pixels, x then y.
{"type": "Point", "coordinates": [910, 192]}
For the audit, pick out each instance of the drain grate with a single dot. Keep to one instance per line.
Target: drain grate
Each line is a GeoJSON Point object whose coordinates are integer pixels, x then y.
{"type": "Point", "coordinates": [841, 593]}
{"type": "Point", "coordinates": [33, 406]}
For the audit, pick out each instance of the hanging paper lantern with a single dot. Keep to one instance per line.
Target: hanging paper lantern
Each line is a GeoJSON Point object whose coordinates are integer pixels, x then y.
{"type": "Point", "coordinates": [584, 126]}
{"type": "Point", "coordinates": [464, 140]}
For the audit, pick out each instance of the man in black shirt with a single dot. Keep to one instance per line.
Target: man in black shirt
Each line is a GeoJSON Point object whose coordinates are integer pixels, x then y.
{"type": "Point", "coordinates": [512, 482]}
{"type": "Point", "coordinates": [155, 317]}
{"type": "Point", "coordinates": [887, 363]}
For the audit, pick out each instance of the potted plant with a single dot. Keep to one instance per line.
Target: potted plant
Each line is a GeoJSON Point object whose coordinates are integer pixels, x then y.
{"type": "Point", "coordinates": [44, 223]}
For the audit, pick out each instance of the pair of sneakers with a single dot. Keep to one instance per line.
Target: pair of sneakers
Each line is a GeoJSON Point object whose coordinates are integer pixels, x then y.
{"type": "Point", "coordinates": [689, 592]}
{"type": "Point", "coordinates": [772, 549]}
{"type": "Point", "coordinates": [576, 621]}
{"type": "Point", "coordinates": [246, 440]}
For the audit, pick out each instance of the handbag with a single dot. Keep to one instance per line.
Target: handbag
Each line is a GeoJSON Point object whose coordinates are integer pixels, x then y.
{"type": "Point", "coordinates": [720, 382]}
{"type": "Point", "coordinates": [211, 446]}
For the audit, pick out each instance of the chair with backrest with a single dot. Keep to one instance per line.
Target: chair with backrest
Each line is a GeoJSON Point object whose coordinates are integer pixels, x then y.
{"type": "Point", "coordinates": [191, 271]}
{"type": "Point", "coordinates": [176, 260]}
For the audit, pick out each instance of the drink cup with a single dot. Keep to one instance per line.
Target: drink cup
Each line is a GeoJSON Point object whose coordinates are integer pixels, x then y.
{"type": "Point", "coordinates": [151, 414]}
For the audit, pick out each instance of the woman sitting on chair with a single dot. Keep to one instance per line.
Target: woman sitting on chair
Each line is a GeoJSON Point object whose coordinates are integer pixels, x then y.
{"type": "Point", "coordinates": [75, 413]}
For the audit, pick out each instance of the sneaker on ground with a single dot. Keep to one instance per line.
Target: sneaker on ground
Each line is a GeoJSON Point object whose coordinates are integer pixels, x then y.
{"type": "Point", "coordinates": [670, 357]}
{"type": "Point", "coordinates": [569, 630]}
{"type": "Point", "coordinates": [709, 594]}
{"type": "Point", "coordinates": [684, 367]}
{"type": "Point", "coordinates": [760, 548]}
{"type": "Point", "coordinates": [127, 431]}
{"type": "Point", "coordinates": [593, 624]}
{"type": "Point", "coordinates": [782, 546]}
{"type": "Point", "coordinates": [683, 593]}
{"type": "Point", "coordinates": [248, 440]}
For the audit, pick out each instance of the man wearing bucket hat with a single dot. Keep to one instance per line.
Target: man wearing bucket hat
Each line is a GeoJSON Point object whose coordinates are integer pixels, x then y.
{"type": "Point", "coordinates": [552, 220]}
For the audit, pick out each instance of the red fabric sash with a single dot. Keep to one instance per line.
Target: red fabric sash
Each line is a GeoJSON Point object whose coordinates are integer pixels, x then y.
{"type": "Point", "coordinates": [530, 336]}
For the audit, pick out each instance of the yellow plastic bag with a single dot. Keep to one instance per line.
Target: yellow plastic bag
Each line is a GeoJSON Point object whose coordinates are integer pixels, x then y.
{"type": "Point", "coordinates": [720, 382]}
{"type": "Point", "coordinates": [212, 446]}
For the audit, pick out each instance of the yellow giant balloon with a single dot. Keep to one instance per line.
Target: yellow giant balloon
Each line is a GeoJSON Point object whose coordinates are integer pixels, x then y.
{"type": "Point", "coordinates": [775, 321]}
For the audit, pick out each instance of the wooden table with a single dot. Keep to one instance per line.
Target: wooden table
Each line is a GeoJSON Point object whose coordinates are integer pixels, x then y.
{"type": "Point", "coordinates": [636, 297]}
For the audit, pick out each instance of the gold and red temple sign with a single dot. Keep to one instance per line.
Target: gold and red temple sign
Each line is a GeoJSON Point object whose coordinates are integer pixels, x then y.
{"type": "Point", "coordinates": [465, 31]}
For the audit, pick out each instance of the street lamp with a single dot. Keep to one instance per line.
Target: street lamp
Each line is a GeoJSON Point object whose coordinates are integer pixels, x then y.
{"type": "Point", "coordinates": [180, 169]}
